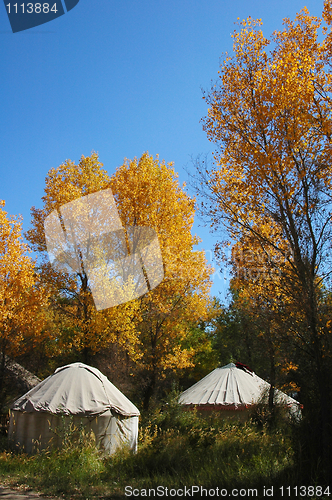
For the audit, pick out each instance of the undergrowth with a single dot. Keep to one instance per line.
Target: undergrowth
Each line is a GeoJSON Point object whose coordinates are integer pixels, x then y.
{"type": "Point", "coordinates": [176, 448]}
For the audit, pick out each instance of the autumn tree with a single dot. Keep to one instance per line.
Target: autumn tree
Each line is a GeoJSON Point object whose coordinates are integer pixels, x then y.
{"type": "Point", "coordinates": [22, 298]}
{"type": "Point", "coordinates": [269, 320]}
{"type": "Point", "coordinates": [269, 117]}
{"type": "Point", "coordinates": [152, 328]}
{"type": "Point", "coordinates": [79, 329]}
{"type": "Point", "coordinates": [148, 194]}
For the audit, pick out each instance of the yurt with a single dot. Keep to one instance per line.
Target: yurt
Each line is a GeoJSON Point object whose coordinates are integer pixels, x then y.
{"type": "Point", "coordinates": [75, 394]}
{"type": "Point", "coordinates": [233, 388]}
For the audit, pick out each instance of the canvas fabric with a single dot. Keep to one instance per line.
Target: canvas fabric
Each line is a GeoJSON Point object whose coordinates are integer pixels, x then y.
{"type": "Point", "coordinates": [33, 432]}
{"type": "Point", "coordinates": [233, 388]}
{"type": "Point", "coordinates": [78, 395]}
{"type": "Point", "coordinates": [76, 389]}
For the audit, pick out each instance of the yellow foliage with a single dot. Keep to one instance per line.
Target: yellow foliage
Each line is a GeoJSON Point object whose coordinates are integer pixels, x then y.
{"type": "Point", "coordinates": [75, 322]}
{"type": "Point", "coordinates": [148, 193]}
{"type": "Point", "coordinates": [270, 117]}
{"type": "Point", "coordinates": [22, 297]}
{"type": "Point", "coordinates": [152, 328]}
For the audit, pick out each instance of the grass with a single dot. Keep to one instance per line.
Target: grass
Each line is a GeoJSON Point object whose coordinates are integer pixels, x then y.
{"type": "Point", "coordinates": [176, 449]}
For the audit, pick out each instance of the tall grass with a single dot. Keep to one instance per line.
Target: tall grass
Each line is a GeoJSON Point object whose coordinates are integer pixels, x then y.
{"type": "Point", "coordinates": [182, 448]}
{"type": "Point", "coordinates": [176, 449]}
{"type": "Point", "coordinates": [72, 471]}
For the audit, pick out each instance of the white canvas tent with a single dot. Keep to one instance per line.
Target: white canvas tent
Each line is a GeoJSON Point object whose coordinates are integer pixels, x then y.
{"type": "Point", "coordinates": [78, 394]}
{"type": "Point", "coordinates": [232, 389]}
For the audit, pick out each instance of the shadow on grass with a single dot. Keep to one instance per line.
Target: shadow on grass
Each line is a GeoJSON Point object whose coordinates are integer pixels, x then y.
{"type": "Point", "coordinates": [177, 450]}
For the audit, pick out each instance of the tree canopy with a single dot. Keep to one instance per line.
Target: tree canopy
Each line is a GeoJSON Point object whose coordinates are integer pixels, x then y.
{"type": "Point", "coordinates": [269, 116]}
{"type": "Point", "coordinates": [22, 297]}
{"type": "Point", "coordinates": [153, 329]}
{"type": "Point", "coordinates": [148, 193]}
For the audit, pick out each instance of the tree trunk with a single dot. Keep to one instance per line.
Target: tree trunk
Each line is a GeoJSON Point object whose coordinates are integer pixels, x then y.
{"type": "Point", "coordinates": [2, 373]}
{"type": "Point", "coordinates": [322, 378]}
{"type": "Point", "coordinates": [148, 393]}
{"type": "Point", "coordinates": [272, 381]}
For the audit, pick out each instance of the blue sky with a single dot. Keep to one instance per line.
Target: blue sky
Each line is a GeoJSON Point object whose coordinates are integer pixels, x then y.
{"type": "Point", "coordinates": [118, 77]}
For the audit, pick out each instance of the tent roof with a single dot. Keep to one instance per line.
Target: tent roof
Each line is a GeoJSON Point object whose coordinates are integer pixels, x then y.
{"type": "Point", "coordinates": [230, 386]}
{"type": "Point", "coordinates": [75, 389]}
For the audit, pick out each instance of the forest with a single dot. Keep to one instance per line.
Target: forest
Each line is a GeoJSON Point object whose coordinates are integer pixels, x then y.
{"type": "Point", "coordinates": [267, 194]}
